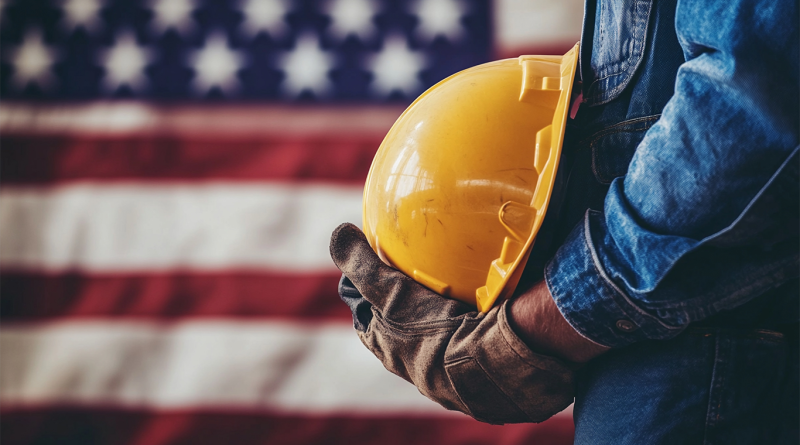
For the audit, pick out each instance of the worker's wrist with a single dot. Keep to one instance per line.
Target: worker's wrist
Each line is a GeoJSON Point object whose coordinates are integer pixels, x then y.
{"type": "Point", "coordinates": [535, 318]}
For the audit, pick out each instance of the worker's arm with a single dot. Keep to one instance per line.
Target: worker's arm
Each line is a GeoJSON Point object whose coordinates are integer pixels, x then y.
{"type": "Point", "coordinates": [706, 218]}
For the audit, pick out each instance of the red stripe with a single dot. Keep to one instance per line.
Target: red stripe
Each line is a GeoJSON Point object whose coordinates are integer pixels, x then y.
{"type": "Point", "coordinates": [35, 297]}
{"type": "Point", "coordinates": [46, 159]}
{"type": "Point", "coordinates": [115, 427]}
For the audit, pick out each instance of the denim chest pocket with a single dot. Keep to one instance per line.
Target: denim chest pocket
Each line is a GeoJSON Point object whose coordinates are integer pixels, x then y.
{"type": "Point", "coordinates": [618, 43]}
{"type": "Point", "coordinates": [613, 148]}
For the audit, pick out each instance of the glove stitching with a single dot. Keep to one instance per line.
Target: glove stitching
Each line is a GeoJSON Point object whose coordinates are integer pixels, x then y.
{"type": "Point", "coordinates": [419, 332]}
{"type": "Point", "coordinates": [403, 331]}
{"type": "Point", "coordinates": [444, 324]}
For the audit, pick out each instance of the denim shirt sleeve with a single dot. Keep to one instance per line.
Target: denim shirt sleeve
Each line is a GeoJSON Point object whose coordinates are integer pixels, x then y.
{"type": "Point", "coordinates": [706, 218]}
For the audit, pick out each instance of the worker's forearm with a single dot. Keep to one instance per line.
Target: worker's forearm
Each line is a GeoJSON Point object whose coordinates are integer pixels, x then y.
{"type": "Point", "coordinates": [536, 319]}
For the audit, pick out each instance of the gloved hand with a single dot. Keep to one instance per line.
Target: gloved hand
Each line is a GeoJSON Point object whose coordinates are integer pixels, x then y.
{"type": "Point", "coordinates": [457, 357]}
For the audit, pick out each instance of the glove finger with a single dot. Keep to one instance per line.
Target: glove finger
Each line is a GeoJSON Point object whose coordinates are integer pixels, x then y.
{"type": "Point", "coordinates": [394, 294]}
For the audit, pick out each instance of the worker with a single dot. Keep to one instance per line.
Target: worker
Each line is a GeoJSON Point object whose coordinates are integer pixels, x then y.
{"type": "Point", "coordinates": [668, 304]}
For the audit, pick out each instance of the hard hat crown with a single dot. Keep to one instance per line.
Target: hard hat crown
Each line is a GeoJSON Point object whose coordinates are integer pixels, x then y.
{"type": "Point", "coordinates": [460, 185]}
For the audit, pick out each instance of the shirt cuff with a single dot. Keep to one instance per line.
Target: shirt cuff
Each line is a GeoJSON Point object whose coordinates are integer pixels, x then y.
{"type": "Point", "coordinates": [589, 300]}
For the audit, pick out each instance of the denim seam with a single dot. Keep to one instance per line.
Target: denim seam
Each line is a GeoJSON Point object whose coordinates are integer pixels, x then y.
{"type": "Point", "coordinates": [607, 96]}
{"type": "Point", "coordinates": [602, 26]}
{"type": "Point", "coordinates": [613, 129]}
{"type": "Point", "coordinates": [648, 122]}
{"type": "Point", "coordinates": [601, 178]}
{"type": "Point", "coordinates": [601, 272]}
{"type": "Point", "coordinates": [758, 334]}
{"type": "Point", "coordinates": [555, 289]}
{"type": "Point", "coordinates": [582, 326]}
{"type": "Point", "coordinates": [622, 65]}
{"type": "Point", "coordinates": [758, 195]}
{"type": "Point", "coordinates": [767, 272]}
{"type": "Point", "coordinates": [715, 390]}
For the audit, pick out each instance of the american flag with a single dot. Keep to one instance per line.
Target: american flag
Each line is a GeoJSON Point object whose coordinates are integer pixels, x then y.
{"type": "Point", "coordinates": [171, 171]}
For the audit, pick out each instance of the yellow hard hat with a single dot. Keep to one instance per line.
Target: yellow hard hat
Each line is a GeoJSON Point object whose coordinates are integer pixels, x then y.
{"type": "Point", "coordinates": [460, 185]}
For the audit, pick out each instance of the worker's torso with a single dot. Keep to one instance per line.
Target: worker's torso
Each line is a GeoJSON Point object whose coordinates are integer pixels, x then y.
{"type": "Point", "coordinates": [696, 386]}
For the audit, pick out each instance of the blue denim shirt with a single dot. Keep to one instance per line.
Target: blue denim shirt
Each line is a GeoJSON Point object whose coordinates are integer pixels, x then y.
{"type": "Point", "coordinates": [683, 170]}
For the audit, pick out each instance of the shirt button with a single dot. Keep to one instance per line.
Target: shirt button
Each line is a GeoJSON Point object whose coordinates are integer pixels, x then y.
{"type": "Point", "coordinates": [626, 326]}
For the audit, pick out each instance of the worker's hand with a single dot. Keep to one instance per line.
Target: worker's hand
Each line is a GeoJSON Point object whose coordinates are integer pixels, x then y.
{"type": "Point", "coordinates": [464, 360]}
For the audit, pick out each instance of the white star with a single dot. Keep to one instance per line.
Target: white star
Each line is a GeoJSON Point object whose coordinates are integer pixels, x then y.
{"type": "Point", "coordinates": [396, 68]}
{"type": "Point", "coordinates": [32, 61]}
{"type": "Point", "coordinates": [440, 18]}
{"type": "Point", "coordinates": [172, 14]}
{"type": "Point", "coordinates": [82, 13]}
{"type": "Point", "coordinates": [306, 68]}
{"type": "Point", "coordinates": [215, 65]}
{"type": "Point", "coordinates": [352, 17]}
{"type": "Point", "coordinates": [125, 63]}
{"type": "Point", "coordinates": [264, 15]}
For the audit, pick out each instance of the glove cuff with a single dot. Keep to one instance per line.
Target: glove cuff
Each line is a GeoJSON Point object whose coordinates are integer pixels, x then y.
{"type": "Point", "coordinates": [499, 379]}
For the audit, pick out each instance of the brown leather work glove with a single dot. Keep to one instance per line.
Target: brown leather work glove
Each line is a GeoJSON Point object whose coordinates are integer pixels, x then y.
{"type": "Point", "coordinates": [457, 357]}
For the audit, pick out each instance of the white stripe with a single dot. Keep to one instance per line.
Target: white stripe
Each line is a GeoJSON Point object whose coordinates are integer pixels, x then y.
{"type": "Point", "coordinates": [537, 23]}
{"type": "Point", "coordinates": [282, 366]}
{"type": "Point", "coordinates": [153, 227]}
{"type": "Point", "coordinates": [114, 118]}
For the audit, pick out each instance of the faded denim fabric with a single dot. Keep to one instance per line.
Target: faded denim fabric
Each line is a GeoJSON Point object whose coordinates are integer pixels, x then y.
{"type": "Point", "coordinates": [678, 232]}
{"type": "Point", "coordinates": [697, 134]}
{"type": "Point", "coordinates": [706, 386]}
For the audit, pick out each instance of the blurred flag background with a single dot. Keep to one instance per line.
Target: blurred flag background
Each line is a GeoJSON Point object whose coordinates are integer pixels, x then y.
{"type": "Point", "coordinates": [170, 172]}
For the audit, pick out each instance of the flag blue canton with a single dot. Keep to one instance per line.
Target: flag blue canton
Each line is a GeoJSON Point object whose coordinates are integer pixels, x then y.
{"type": "Point", "coordinates": [247, 50]}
